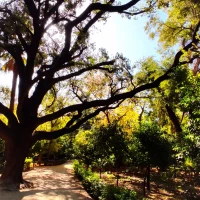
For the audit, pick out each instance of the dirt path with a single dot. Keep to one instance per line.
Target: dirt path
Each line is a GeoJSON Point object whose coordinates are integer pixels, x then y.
{"type": "Point", "coordinates": [51, 183]}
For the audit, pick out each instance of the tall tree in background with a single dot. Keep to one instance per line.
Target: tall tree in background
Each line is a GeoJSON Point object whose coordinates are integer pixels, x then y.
{"type": "Point", "coordinates": [53, 36]}
{"type": "Point", "coordinates": [175, 32]}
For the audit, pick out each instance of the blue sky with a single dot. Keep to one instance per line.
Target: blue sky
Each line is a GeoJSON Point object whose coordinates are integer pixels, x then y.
{"type": "Point", "coordinates": [122, 35]}
{"type": "Point", "coordinates": [125, 36]}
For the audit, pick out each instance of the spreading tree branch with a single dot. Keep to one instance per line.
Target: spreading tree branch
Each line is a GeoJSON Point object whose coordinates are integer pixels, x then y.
{"type": "Point", "coordinates": [44, 85]}
{"type": "Point", "coordinates": [104, 8]}
{"type": "Point", "coordinates": [4, 131]}
{"type": "Point", "coordinates": [52, 10]}
{"type": "Point", "coordinates": [89, 68]}
{"type": "Point", "coordinates": [9, 115]}
{"type": "Point", "coordinates": [65, 56]}
{"type": "Point", "coordinates": [69, 128]}
{"type": "Point", "coordinates": [130, 94]}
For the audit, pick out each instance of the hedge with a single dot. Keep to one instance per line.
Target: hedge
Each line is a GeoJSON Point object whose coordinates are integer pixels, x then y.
{"type": "Point", "coordinates": [99, 190]}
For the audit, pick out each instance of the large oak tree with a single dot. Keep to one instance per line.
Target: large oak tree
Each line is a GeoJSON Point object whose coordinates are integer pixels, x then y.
{"type": "Point", "coordinates": [49, 43]}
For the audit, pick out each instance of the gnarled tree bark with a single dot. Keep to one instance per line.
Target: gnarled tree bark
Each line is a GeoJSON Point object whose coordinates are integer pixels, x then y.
{"type": "Point", "coordinates": [16, 151]}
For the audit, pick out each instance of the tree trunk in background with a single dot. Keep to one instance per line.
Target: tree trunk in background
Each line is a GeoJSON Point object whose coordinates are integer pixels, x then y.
{"type": "Point", "coordinates": [148, 177]}
{"type": "Point", "coordinates": [196, 66]}
{"type": "Point", "coordinates": [173, 118]}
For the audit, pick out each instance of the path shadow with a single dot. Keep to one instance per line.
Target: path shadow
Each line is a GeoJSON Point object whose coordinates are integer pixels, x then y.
{"type": "Point", "coordinates": [53, 194]}
{"type": "Point", "coordinates": [50, 183]}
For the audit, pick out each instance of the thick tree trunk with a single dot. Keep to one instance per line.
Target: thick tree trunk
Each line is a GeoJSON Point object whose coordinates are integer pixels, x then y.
{"type": "Point", "coordinates": [12, 174]}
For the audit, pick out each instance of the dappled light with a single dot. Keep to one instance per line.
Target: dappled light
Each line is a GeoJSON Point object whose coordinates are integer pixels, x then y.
{"type": "Point", "coordinates": [50, 183]}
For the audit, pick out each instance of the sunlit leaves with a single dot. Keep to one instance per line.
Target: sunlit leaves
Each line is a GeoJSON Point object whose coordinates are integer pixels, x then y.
{"type": "Point", "coordinates": [176, 27]}
{"type": "Point", "coordinates": [155, 148]}
{"type": "Point", "coordinates": [149, 71]}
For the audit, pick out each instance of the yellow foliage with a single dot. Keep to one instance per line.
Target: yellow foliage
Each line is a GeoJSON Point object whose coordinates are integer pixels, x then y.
{"type": "Point", "coordinates": [81, 137]}
{"type": "Point", "coordinates": [3, 119]}
{"type": "Point", "coordinates": [54, 125]}
{"type": "Point", "coordinates": [125, 115]}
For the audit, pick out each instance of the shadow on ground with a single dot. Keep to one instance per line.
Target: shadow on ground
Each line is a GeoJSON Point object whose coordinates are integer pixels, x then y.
{"type": "Point", "coordinates": [54, 194]}
{"type": "Point", "coordinates": [50, 183]}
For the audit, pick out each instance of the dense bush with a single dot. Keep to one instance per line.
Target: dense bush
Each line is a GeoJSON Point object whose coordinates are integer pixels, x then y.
{"type": "Point", "coordinates": [102, 147]}
{"type": "Point", "coordinates": [150, 146]}
{"type": "Point", "coordinates": [90, 181]}
{"type": "Point", "coordinates": [111, 192]}
{"type": "Point", "coordinates": [98, 190]}
{"type": "Point", "coordinates": [27, 163]}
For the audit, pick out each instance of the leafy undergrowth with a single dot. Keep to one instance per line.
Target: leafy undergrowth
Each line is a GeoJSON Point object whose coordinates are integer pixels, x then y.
{"type": "Point", "coordinates": [162, 187]}
{"type": "Point", "coordinates": [99, 190]}
{"type": "Point", "coordinates": [130, 185]}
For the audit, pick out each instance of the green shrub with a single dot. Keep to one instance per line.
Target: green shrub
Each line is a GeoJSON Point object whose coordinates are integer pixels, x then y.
{"type": "Point", "coordinates": [98, 190]}
{"type": "Point", "coordinates": [110, 192]}
{"type": "Point", "coordinates": [27, 163]}
{"type": "Point", "coordinates": [90, 181]}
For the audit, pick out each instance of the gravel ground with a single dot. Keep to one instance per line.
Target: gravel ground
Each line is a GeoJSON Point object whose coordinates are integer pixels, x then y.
{"type": "Point", "coordinates": [50, 183]}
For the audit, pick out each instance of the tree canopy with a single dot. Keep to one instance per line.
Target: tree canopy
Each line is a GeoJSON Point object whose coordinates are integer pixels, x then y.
{"type": "Point", "coordinates": [54, 38]}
